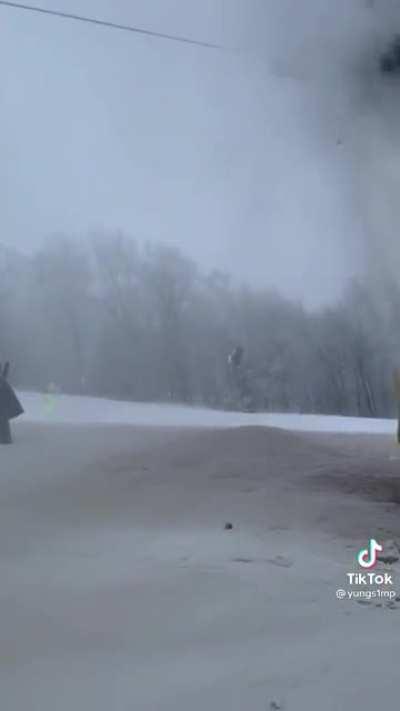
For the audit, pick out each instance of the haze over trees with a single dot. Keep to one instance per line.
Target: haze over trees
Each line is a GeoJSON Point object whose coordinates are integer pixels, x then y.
{"type": "Point", "coordinates": [111, 318]}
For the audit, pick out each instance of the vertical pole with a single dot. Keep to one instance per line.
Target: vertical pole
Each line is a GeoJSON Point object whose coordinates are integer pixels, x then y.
{"type": "Point", "coordinates": [396, 381]}
{"type": "Point", "coordinates": [5, 431]}
{"type": "Point", "coordinates": [6, 370]}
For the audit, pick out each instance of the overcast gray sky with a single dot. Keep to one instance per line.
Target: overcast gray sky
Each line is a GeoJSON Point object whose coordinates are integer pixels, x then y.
{"type": "Point", "coordinates": [241, 159]}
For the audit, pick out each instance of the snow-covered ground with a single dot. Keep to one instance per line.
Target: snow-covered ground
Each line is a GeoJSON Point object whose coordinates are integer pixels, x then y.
{"type": "Point", "coordinates": [121, 589]}
{"type": "Point", "coordinates": [87, 410]}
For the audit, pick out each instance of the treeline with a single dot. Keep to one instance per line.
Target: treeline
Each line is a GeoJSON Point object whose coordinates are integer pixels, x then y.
{"type": "Point", "coordinates": [113, 319]}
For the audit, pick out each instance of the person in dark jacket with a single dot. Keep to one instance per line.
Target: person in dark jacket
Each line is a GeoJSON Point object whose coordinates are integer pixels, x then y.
{"type": "Point", "coordinates": [10, 406]}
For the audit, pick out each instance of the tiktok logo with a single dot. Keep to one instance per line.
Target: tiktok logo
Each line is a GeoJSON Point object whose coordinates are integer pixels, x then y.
{"type": "Point", "coordinates": [367, 557]}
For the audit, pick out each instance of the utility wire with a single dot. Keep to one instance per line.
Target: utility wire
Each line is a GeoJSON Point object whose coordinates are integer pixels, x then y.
{"type": "Point", "coordinates": [104, 23]}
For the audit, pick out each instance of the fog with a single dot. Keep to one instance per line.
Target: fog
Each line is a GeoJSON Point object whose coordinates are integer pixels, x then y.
{"type": "Point", "coordinates": [167, 205]}
{"type": "Point", "coordinates": [253, 161]}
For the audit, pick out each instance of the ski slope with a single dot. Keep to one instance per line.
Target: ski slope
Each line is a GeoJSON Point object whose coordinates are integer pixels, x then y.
{"type": "Point", "coordinates": [89, 410]}
{"type": "Point", "coordinates": [121, 589]}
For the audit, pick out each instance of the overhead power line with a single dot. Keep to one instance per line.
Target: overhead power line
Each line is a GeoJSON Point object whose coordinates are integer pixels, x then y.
{"type": "Point", "coordinates": [104, 23]}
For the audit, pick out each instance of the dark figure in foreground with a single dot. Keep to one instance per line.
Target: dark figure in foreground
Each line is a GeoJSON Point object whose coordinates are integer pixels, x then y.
{"type": "Point", "coordinates": [10, 406]}
{"type": "Point", "coordinates": [390, 60]}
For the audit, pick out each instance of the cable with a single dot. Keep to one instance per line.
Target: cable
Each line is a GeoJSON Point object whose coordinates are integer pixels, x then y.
{"type": "Point", "coordinates": [104, 23]}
